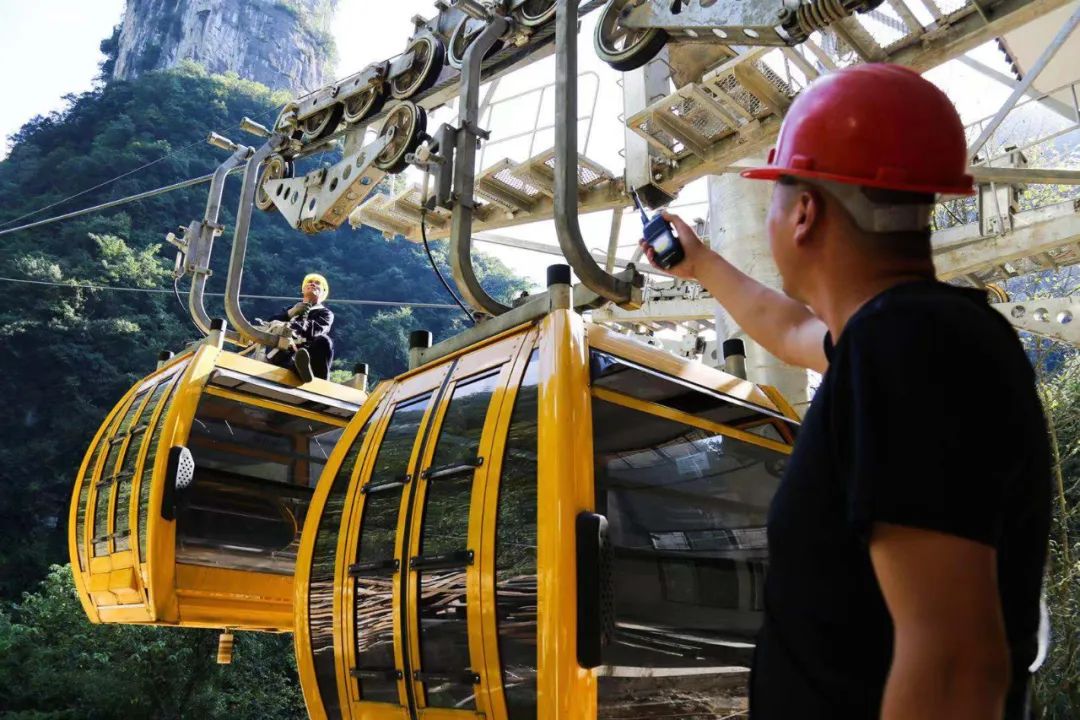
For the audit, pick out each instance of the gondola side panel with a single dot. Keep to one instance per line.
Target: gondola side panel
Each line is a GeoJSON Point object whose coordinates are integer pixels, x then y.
{"type": "Point", "coordinates": [485, 539]}
{"type": "Point", "coordinates": [89, 471]}
{"type": "Point", "coordinates": [565, 691]}
{"type": "Point", "coordinates": [161, 533]}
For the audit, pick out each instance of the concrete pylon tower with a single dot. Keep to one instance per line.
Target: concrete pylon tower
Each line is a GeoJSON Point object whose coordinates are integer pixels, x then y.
{"type": "Point", "coordinates": [737, 210]}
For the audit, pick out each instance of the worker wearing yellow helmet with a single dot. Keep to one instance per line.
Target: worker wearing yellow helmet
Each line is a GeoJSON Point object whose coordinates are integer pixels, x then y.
{"type": "Point", "coordinates": [310, 321]}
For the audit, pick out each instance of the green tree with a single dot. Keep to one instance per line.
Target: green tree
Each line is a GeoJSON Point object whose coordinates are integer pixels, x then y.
{"type": "Point", "coordinates": [56, 665]}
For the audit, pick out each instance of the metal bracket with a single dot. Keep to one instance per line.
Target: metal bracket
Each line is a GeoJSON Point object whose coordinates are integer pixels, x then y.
{"type": "Point", "coordinates": [197, 242]}
{"type": "Point", "coordinates": [324, 198]}
{"type": "Point", "coordinates": [239, 248]}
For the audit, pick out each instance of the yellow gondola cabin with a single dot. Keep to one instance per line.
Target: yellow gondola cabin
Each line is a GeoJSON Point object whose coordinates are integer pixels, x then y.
{"type": "Point", "coordinates": [555, 522]}
{"type": "Point", "coordinates": [189, 504]}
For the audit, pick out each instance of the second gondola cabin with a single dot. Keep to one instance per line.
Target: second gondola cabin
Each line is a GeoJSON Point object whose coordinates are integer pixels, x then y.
{"type": "Point", "coordinates": [190, 501]}
{"type": "Point", "coordinates": [556, 522]}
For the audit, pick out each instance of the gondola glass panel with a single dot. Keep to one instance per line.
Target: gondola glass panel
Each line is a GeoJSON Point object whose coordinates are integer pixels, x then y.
{"type": "Point", "coordinates": [686, 503]}
{"type": "Point", "coordinates": [255, 468]}
{"type": "Point", "coordinates": [515, 553]}
{"type": "Point", "coordinates": [444, 553]}
{"type": "Point", "coordinates": [375, 566]}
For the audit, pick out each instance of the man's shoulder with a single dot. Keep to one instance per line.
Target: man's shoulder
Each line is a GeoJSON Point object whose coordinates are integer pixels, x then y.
{"type": "Point", "coordinates": [934, 314]}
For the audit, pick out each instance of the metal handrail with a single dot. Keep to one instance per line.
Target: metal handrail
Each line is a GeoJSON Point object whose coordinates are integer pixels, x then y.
{"type": "Point", "coordinates": [537, 128]}
{"type": "Point", "coordinates": [977, 125]}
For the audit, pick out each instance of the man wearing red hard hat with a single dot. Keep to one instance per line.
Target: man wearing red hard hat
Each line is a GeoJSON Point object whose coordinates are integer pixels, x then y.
{"type": "Point", "coordinates": [908, 536]}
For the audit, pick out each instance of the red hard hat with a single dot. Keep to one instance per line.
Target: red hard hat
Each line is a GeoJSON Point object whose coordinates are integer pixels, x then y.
{"type": "Point", "coordinates": [875, 125]}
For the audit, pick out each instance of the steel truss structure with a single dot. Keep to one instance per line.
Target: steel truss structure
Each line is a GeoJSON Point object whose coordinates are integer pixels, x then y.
{"type": "Point", "coordinates": [729, 101]}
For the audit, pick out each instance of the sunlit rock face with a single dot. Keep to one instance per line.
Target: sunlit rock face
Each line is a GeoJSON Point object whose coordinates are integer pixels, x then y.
{"type": "Point", "coordinates": [284, 44]}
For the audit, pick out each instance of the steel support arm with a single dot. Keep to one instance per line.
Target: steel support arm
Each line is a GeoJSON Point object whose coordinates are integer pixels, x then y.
{"type": "Point", "coordinates": [468, 132]}
{"type": "Point", "coordinates": [198, 257]}
{"type": "Point", "coordinates": [1022, 87]}
{"type": "Point", "coordinates": [604, 284]}
{"type": "Point", "coordinates": [239, 249]}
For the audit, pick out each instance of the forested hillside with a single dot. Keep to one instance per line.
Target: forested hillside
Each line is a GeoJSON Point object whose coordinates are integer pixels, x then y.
{"type": "Point", "coordinates": [70, 354]}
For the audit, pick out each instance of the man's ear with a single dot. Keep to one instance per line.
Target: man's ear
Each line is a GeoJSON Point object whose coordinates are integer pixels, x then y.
{"type": "Point", "coordinates": [806, 212]}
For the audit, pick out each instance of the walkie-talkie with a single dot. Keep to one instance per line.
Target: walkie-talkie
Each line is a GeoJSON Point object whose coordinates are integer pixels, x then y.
{"type": "Point", "coordinates": [668, 251]}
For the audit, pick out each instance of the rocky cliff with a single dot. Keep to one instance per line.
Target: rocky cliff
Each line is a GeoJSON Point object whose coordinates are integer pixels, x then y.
{"type": "Point", "coordinates": [284, 44]}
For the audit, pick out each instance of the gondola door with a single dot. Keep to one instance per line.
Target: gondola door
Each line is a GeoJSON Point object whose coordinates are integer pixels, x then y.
{"type": "Point", "coordinates": [449, 586]}
{"type": "Point", "coordinates": [418, 649]}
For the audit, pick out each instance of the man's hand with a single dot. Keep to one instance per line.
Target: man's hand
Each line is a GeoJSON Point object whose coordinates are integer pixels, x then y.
{"type": "Point", "coordinates": [693, 249]}
{"type": "Point", "coordinates": [299, 308]}
{"type": "Point", "coordinates": [950, 655]}
{"type": "Point", "coordinates": [783, 326]}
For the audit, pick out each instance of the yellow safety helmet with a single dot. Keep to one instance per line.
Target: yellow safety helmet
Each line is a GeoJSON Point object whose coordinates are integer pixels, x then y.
{"type": "Point", "coordinates": [316, 277]}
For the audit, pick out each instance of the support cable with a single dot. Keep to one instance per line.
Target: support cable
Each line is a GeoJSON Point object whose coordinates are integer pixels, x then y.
{"type": "Point", "coordinates": [438, 273]}
{"type": "Point", "coordinates": [124, 288]}
{"type": "Point", "coordinates": [121, 176]}
{"type": "Point", "coordinates": [114, 203]}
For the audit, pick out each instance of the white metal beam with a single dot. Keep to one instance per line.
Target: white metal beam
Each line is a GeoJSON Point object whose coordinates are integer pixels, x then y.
{"type": "Point", "coordinates": [962, 250]}
{"type": "Point", "coordinates": [1053, 104]}
{"type": "Point", "coordinates": [1055, 318]}
{"type": "Point", "coordinates": [1021, 87]}
{"type": "Point", "coordinates": [533, 246]}
{"type": "Point", "coordinates": [1024, 176]}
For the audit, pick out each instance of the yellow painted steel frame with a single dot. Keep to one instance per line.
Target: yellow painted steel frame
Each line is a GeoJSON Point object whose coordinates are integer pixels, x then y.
{"type": "Point", "coordinates": [667, 413]}
{"type": "Point", "coordinates": [601, 338]}
{"type": "Point", "coordinates": [160, 563]}
{"type": "Point", "coordinates": [408, 389]}
{"type": "Point", "coordinates": [485, 508]}
{"type": "Point", "coordinates": [81, 574]}
{"type": "Point", "coordinates": [302, 576]}
{"type": "Point", "coordinates": [565, 691]}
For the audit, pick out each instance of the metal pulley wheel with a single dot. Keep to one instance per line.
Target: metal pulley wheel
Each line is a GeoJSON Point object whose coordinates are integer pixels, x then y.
{"type": "Point", "coordinates": [996, 293]}
{"type": "Point", "coordinates": [286, 120]}
{"type": "Point", "coordinates": [364, 104]}
{"type": "Point", "coordinates": [462, 38]}
{"type": "Point", "coordinates": [276, 167]}
{"type": "Point", "coordinates": [625, 48]}
{"type": "Point", "coordinates": [428, 55]}
{"type": "Point", "coordinates": [533, 13]}
{"type": "Point", "coordinates": [404, 127]}
{"type": "Point", "coordinates": [317, 126]}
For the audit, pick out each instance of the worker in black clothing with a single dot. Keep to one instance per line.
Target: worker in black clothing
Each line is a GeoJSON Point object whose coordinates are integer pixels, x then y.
{"type": "Point", "coordinates": [309, 321]}
{"type": "Point", "coordinates": [908, 536]}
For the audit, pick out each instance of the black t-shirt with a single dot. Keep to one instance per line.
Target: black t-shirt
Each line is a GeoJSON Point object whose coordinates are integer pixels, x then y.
{"type": "Point", "coordinates": [927, 417]}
